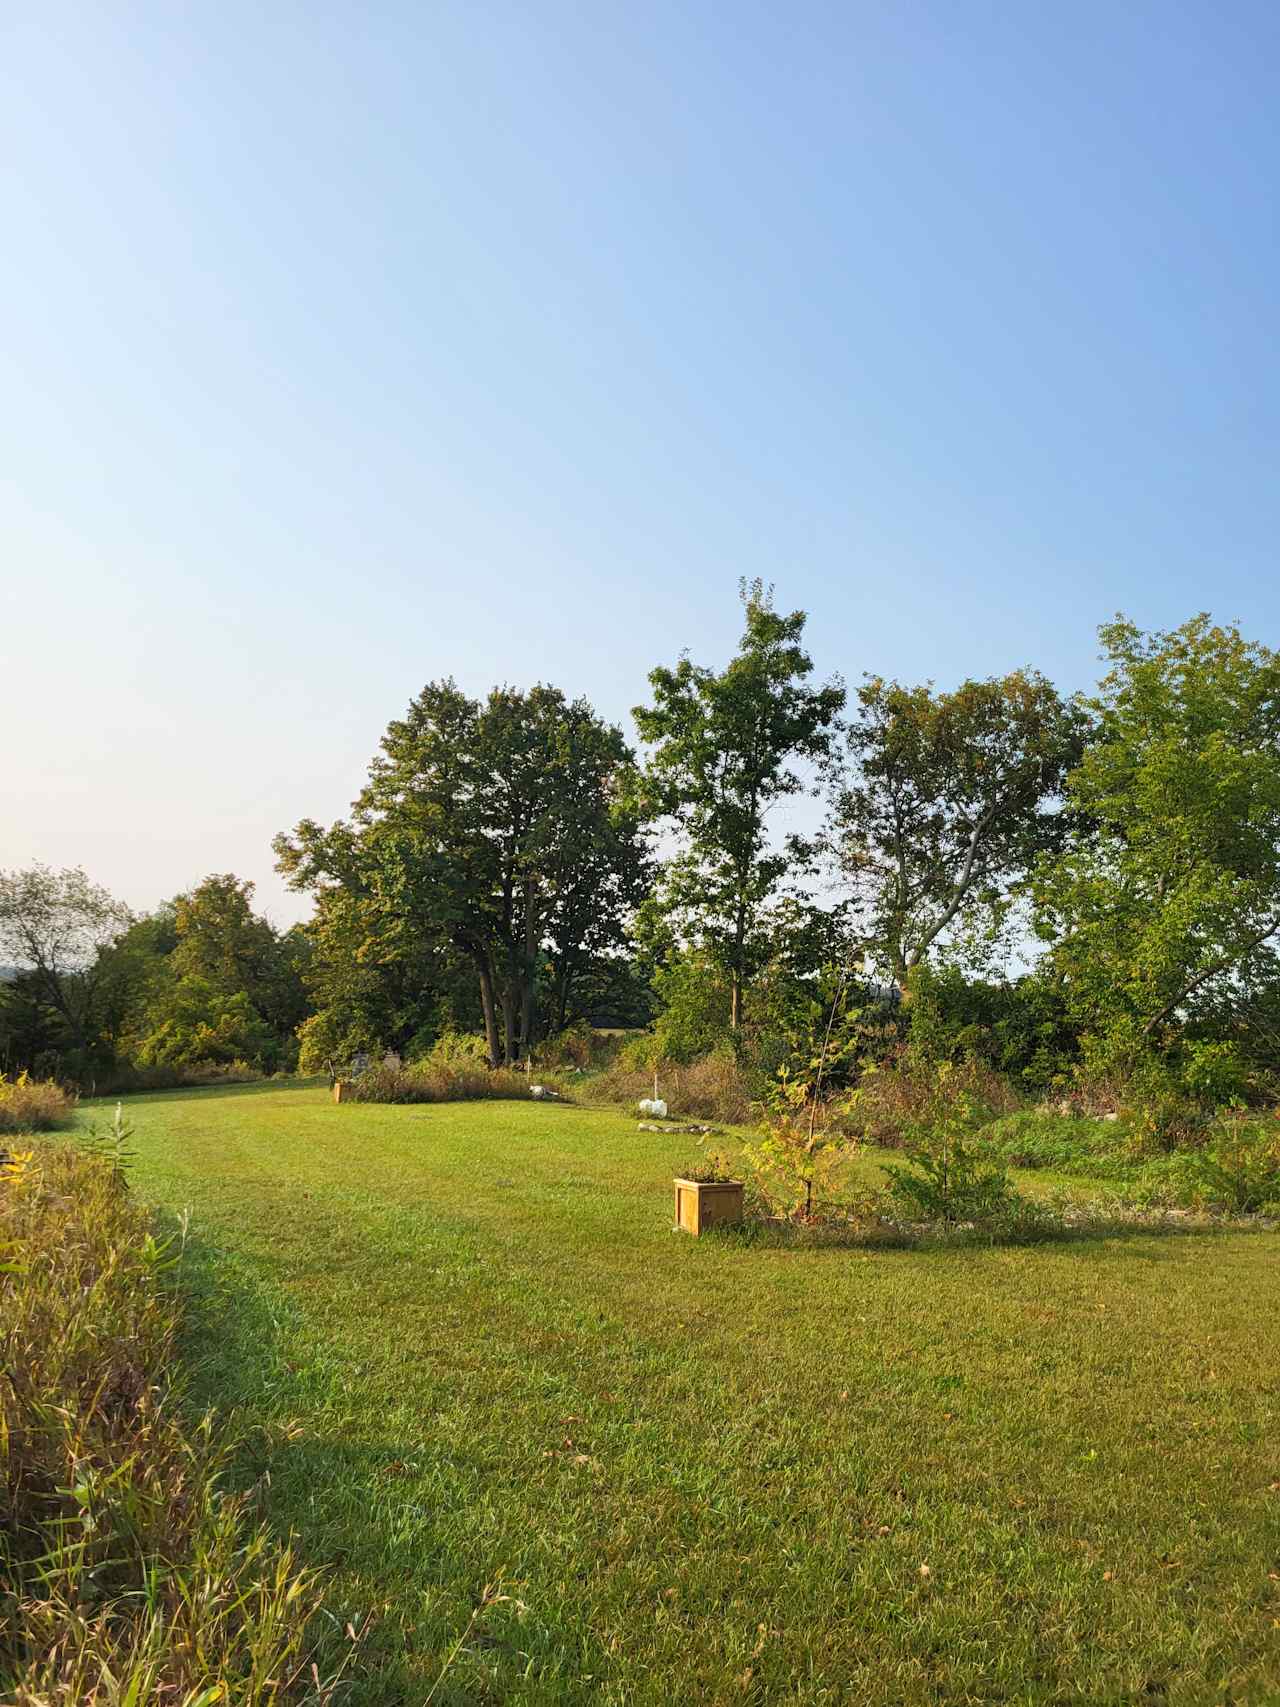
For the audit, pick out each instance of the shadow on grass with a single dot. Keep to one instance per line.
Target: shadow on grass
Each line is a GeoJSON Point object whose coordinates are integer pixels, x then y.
{"type": "Point", "coordinates": [252, 1087]}
{"type": "Point", "coordinates": [353, 1507]}
{"type": "Point", "coordinates": [1082, 1235]}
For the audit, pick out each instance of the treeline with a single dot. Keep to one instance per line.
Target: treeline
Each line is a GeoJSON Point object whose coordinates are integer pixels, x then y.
{"type": "Point", "coordinates": [102, 1000]}
{"type": "Point", "coordinates": [513, 869]}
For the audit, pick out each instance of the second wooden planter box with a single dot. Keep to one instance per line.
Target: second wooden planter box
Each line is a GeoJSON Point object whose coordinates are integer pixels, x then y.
{"type": "Point", "coordinates": [707, 1203]}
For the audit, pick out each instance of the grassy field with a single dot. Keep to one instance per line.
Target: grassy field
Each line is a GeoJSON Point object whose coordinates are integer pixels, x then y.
{"type": "Point", "coordinates": [714, 1471]}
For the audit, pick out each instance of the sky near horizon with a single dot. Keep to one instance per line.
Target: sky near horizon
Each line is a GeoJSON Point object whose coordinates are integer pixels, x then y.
{"type": "Point", "coordinates": [346, 347]}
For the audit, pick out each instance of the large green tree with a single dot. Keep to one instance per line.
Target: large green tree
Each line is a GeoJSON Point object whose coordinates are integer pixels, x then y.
{"type": "Point", "coordinates": [950, 800]}
{"type": "Point", "coordinates": [498, 830]}
{"type": "Point", "coordinates": [213, 980]}
{"type": "Point", "coordinates": [1167, 912]}
{"type": "Point", "coordinates": [727, 747]}
{"type": "Point", "coordinates": [55, 930]}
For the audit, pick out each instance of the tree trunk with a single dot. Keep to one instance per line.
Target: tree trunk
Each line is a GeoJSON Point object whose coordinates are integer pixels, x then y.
{"type": "Point", "coordinates": [486, 1002]}
{"type": "Point", "coordinates": [529, 980]}
{"type": "Point", "coordinates": [509, 1021]}
{"type": "Point", "coordinates": [735, 984]}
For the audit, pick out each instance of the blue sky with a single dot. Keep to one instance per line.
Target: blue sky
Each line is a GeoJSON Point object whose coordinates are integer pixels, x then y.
{"type": "Point", "coordinates": [349, 346]}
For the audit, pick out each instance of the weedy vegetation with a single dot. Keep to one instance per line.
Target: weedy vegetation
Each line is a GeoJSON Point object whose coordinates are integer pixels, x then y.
{"type": "Point", "coordinates": [129, 1576]}
{"type": "Point", "coordinates": [33, 1105]}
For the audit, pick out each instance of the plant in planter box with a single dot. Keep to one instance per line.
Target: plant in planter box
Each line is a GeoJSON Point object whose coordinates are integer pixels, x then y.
{"type": "Point", "coordinates": [707, 1195]}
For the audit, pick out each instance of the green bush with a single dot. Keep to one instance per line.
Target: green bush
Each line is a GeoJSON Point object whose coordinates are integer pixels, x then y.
{"type": "Point", "coordinates": [1215, 1073]}
{"type": "Point", "coordinates": [952, 1176]}
{"type": "Point", "coordinates": [1238, 1169]}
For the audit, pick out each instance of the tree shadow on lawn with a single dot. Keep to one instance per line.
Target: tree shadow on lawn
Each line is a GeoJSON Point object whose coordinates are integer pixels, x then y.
{"type": "Point", "coordinates": [364, 1512]}
{"type": "Point", "coordinates": [186, 1093]}
{"type": "Point", "coordinates": [1086, 1237]}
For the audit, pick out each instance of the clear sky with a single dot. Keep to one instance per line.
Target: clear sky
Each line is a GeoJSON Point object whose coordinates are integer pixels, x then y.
{"type": "Point", "coordinates": [347, 346]}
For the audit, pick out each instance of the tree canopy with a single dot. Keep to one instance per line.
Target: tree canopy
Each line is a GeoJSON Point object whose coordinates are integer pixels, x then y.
{"type": "Point", "coordinates": [726, 748]}
{"type": "Point", "coordinates": [1166, 907]}
{"type": "Point", "coordinates": [498, 829]}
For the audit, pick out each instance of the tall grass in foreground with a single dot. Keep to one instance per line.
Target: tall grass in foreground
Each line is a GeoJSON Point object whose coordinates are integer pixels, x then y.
{"type": "Point", "coordinates": [127, 1577]}
{"type": "Point", "coordinates": [33, 1105]}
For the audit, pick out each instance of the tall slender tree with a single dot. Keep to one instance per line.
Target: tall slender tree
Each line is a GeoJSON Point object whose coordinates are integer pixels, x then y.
{"type": "Point", "coordinates": [726, 749]}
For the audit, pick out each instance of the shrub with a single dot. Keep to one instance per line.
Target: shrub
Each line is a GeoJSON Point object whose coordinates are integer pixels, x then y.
{"type": "Point", "coordinates": [437, 1082]}
{"type": "Point", "coordinates": [1239, 1168]}
{"type": "Point", "coordinates": [796, 1161]}
{"type": "Point", "coordinates": [952, 1177]}
{"type": "Point", "coordinates": [128, 1080]}
{"type": "Point", "coordinates": [130, 1577]}
{"type": "Point", "coordinates": [33, 1105]}
{"type": "Point", "coordinates": [456, 1049]}
{"type": "Point", "coordinates": [714, 1088]}
{"type": "Point", "coordinates": [581, 1047]}
{"type": "Point", "coordinates": [890, 1101]}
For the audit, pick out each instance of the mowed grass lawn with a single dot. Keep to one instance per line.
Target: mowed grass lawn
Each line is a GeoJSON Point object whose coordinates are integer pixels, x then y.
{"type": "Point", "coordinates": [714, 1471]}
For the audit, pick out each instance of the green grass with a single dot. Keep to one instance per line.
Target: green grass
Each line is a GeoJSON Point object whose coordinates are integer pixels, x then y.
{"type": "Point", "coordinates": [712, 1471]}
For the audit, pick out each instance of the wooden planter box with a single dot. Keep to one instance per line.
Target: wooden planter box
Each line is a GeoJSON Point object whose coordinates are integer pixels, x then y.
{"type": "Point", "coordinates": [707, 1203]}
{"type": "Point", "coordinates": [342, 1090]}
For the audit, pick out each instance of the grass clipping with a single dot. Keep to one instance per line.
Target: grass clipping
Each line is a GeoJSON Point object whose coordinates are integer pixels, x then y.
{"type": "Point", "coordinates": [126, 1574]}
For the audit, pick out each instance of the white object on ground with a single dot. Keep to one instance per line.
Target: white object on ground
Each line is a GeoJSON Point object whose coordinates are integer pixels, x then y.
{"type": "Point", "coordinates": [654, 1106]}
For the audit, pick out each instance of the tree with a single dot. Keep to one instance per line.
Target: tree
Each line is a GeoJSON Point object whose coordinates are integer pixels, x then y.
{"type": "Point", "coordinates": [225, 986]}
{"type": "Point", "coordinates": [1168, 911]}
{"type": "Point", "coordinates": [498, 831]}
{"type": "Point", "coordinates": [952, 799]}
{"type": "Point", "coordinates": [725, 746]}
{"type": "Point", "coordinates": [55, 927]}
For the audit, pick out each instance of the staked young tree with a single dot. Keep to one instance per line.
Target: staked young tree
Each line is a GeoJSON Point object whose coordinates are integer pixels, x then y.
{"type": "Point", "coordinates": [726, 746]}
{"type": "Point", "coordinates": [498, 829]}
{"type": "Point", "coordinates": [951, 800]}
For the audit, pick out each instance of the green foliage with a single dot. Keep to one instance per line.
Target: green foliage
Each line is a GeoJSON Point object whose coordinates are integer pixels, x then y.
{"type": "Point", "coordinates": [330, 1040]}
{"type": "Point", "coordinates": [953, 798]}
{"type": "Point", "coordinates": [1163, 916]}
{"type": "Point", "coordinates": [694, 997]}
{"type": "Point", "coordinates": [56, 929]}
{"type": "Point", "coordinates": [1021, 1029]}
{"type": "Point", "coordinates": [724, 750]}
{"type": "Point", "coordinates": [1238, 1169]}
{"type": "Point", "coordinates": [198, 1023]}
{"type": "Point", "coordinates": [952, 1176]}
{"type": "Point", "coordinates": [1215, 1072]}
{"type": "Point", "coordinates": [492, 834]}
{"type": "Point", "coordinates": [796, 1162]}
